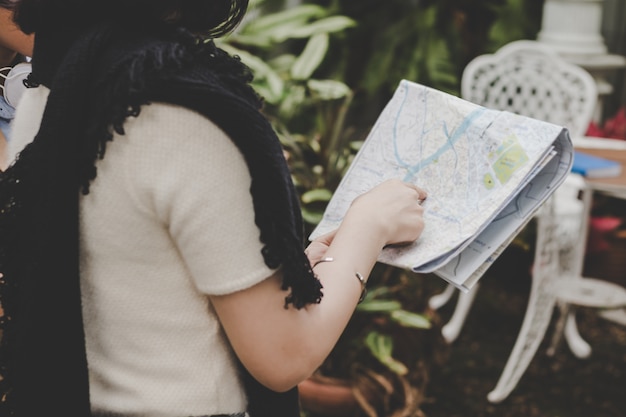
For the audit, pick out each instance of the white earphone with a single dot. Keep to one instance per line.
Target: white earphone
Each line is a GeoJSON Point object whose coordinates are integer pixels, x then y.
{"type": "Point", "coordinates": [14, 86]}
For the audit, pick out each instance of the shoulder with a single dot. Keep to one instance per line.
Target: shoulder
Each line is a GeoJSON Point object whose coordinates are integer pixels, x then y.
{"type": "Point", "coordinates": [167, 137]}
{"type": "Point", "coordinates": [164, 119]}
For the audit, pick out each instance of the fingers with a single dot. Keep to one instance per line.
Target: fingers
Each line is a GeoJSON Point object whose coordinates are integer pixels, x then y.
{"type": "Point", "coordinates": [392, 211]}
{"type": "Point", "coordinates": [318, 247]}
{"type": "Point", "coordinates": [315, 251]}
{"type": "Point", "coordinates": [327, 238]}
{"type": "Point", "coordinates": [421, 193]}
{"type": "Point", "coordinates": [412, 225]}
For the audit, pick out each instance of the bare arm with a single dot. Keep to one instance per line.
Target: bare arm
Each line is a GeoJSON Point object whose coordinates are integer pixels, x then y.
{"type": "Point", "coordinates": [281, 347]}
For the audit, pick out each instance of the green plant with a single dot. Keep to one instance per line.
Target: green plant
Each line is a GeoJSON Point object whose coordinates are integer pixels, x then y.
{"type": "Point", "coordinates": [379, 342]}
{"type": "Point", "coordinates": [284, 49]}
{"type": "Point", "coordinates": [426, 41]}
{"type": "Point", "coordinates": [387, 350]}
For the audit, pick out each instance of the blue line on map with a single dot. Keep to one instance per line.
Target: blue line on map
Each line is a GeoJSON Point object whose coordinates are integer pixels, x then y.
{"type": "Point", "coordinates": [452, 139]}
{"type": "Point", "coordinates": [395, 130]}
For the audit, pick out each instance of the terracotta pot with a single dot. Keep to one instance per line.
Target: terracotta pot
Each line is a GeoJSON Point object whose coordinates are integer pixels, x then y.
{"type": "Point", "coordinates": [326, 396]}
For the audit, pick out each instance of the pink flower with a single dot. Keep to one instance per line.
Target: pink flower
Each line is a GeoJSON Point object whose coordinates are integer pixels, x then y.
{"type": "Point", "coordinates": [600, 229]}
{"type": "Point", "coordinates": [595, 130]}
{"type": "Point", "coordinates": [614, 128]}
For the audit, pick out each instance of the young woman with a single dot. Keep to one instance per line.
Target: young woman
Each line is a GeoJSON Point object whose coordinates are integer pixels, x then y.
{"type": "Point", "coordinates": [176, 282]}
{"type": "Point", "coordinates": [15, 45]}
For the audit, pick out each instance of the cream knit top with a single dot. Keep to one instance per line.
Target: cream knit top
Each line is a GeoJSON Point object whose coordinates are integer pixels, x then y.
{"type": "Point", "coordinates": [168, 221]}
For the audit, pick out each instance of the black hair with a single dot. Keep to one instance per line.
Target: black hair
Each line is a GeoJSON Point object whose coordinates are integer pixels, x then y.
{"type": "Point", "coordinates": [206, 18]}
{"type": "Point", "coordinates": [7, 4]}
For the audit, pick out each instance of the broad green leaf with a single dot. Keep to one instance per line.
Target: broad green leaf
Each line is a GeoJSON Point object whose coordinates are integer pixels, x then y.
{"type": "Point", "coordinates": [377, 292]}
{"type": "Point", "coordinates": [356, 145]}
{"type": "Point", "coordinates": [328, 89]}
{"type": "Point", "coordinates": [260, 41]}
{"type": "Point", "coordinates": [270, 21]}
{"type": "Point", "coordinates": [274, 84]}
{"type": "Point", "coordinates": [282, 33]}
{"type": "Point", "coordinates": [409, 319]}
{"type": "Point", "coordinates": [311, 57]}
{"type": "Point", "coordinates": [379, 306]}
{"type": "Point", "coordinates": [327, 25]}
{"type": "Point", "coordinates": [381, 346]}
{"type": "Point", "coordinates": [282, 63]}
{"type": "Point", "coordinates": [292, 101]}
{"type": "Point", "coordinates": [312, 216]}
{"type": "Point", "coordinates": [262, 89]}
{"type": "Point", "coordinates": [319, 194]}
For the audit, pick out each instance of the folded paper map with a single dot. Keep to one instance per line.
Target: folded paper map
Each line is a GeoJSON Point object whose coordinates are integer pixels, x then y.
{"type": "Point", "coordinates": [486, 173]}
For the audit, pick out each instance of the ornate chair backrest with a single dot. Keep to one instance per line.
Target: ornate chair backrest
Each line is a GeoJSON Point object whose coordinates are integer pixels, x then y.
{"type": "Point", "coordinates": [528, 78]}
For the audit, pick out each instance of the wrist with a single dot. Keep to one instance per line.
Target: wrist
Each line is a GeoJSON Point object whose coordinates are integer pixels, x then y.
{"type": "Point", "coordinates": [362, 280]}
{"type": "Point", "coordinates": [368, 227]}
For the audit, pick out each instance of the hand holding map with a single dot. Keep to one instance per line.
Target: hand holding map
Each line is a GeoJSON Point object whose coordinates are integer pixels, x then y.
{"type": "Point", "coordinates": [486, 173]}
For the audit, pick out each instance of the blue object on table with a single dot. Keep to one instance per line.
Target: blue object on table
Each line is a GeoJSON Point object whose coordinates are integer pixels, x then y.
{"type": "Point", "coordinates": [592, 166]}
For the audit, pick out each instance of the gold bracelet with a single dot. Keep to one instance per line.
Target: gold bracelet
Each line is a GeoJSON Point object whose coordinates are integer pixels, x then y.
{"type": "Point", "coordinates": [362, 280]}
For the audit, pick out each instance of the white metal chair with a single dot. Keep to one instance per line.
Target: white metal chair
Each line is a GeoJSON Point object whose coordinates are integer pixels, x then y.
{"type": "Point", "coordinates": [528, 78]}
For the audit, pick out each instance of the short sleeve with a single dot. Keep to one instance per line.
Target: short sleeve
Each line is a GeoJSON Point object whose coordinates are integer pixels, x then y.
{"type": "Point", "coordinates": [191, 176]}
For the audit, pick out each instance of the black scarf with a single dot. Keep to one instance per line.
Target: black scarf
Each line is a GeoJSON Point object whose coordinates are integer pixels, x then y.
{"type": "Point", "coordinates": [98, 78]}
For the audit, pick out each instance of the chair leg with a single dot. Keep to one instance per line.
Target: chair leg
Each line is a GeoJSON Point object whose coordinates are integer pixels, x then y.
{"type": "Point", "coordinates": [538, 315]}
{"type": "Point", "coordinates": [579, 347]}
{"type": "Point", "coordinates": [437, 301]}
{"type": "Point", "coordinates": [559, 328]}
{"type": "Point", "coordinates": [565, 327]}
{"type": "Point", "coordinates": [616, 315]}
{"type": "Point", "coordinates": [541, 303]}
{"type": "Point", "coordinates": [452, 329]}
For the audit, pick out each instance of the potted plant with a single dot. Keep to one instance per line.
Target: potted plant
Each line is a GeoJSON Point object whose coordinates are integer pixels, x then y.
{"type": "Point", "coordinates": [284, 49]}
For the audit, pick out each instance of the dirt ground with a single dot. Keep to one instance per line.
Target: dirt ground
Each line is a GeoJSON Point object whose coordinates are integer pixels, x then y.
{"type": "Point", "coordinates": [558, 386]}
